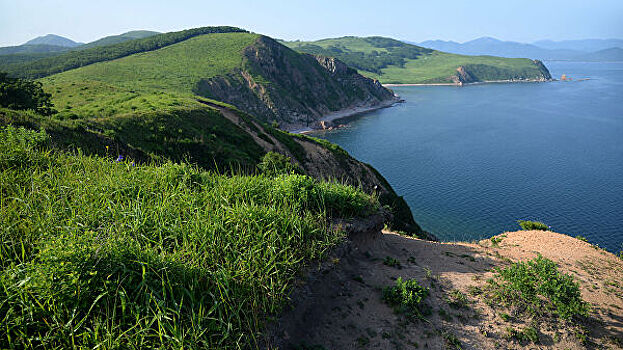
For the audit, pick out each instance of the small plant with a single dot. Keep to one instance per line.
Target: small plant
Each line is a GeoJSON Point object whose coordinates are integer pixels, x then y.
{"type": "Point", "coordinates": [406, 296]}
{"type": "Point", "coordinates": [537, 286]}
{"type": "Point", "coordinates": [528, 334]}
{"type": "Point", "coordinates": [457, 299]}
{"type": "Point", "coordinates": [363, 340]}
{"type": "Point", "coordinates": [358, 278]}
{"type": "Point", "coordinates": [532, 225]}
{"type": "Point", "coordinates": [452, 341]}
{"type": "Point", "coordinates": [495, 241]}
{"type": "Point", "coordinates": [392, 262]}
{"type": "Point", "coordinates": [581, 238]}
{"type": "Point", "coordinates": [505, 316]}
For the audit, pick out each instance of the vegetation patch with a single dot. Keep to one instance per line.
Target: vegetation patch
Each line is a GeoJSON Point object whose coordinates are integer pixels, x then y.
{"type": "Point", "coordinates": [528, 334]}
{"type": "Point", "coordinates": [537, 287]}
{"type": "Point", "coordinates": [532, 225]}
{"type": "Point", "coordinates": [99, 252]}
{"type": "Point", "coordinates": [79, 58]}
{"type": "Point", "coordinates": [407, 297]}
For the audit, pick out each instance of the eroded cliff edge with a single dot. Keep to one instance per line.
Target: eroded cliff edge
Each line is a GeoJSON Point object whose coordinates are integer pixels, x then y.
{"type": "Point", "coordinates": [295, 90]}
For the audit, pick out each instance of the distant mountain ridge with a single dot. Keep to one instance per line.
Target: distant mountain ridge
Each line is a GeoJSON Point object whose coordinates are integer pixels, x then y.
{"type": "Point", "coordinates": [53, 39]}
{"type": "Point", "coordinates": [54, 45]}
{"type": "Point", "coordinates": [588, 50]}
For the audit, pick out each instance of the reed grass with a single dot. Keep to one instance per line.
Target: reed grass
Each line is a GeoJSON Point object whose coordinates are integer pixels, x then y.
{"type": "Point", "coordinates": [99, 253]}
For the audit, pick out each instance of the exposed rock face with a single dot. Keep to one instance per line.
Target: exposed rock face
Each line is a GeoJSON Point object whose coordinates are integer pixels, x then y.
{"type": "Point", "coordinates": [462, 76]}
{"type": "Point", "coordinates": [472, 73]}
{"type": "Point", "coordinates": [546, 74]}
{"type": "Point", "coordinates": [296, 90]}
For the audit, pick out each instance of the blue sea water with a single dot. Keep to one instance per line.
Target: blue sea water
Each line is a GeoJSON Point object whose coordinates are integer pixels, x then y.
{"type": "Point", "coordinates": [472, 160]}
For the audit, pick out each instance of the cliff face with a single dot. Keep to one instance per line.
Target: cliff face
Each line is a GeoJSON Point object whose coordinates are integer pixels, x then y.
{"type": "Point", "coordinates": [296, 90]}
{"type": "Point", "coordinates": [472, 73]}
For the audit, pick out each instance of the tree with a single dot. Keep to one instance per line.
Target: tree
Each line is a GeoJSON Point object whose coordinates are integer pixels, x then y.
{"type": "Point", "coordinates": [18, 93]}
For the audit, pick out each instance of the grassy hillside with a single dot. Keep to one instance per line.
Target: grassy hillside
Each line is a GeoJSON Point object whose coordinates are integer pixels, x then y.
{"type": "Point", "coordinates": [80, 58]}
{"type": "Point", "coordinates": [175, 67]}
{"type": "Point", "coordinates": [102, 253]}
{"type": "Point", "coordinates": [392, 61]}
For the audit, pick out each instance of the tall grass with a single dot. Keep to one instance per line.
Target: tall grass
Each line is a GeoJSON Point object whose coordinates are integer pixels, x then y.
{"type": "Point", "coordinates": [96, 253]}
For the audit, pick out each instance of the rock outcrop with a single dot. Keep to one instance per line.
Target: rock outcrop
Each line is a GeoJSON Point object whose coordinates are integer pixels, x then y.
{"type": "Point", "coordinates": [296, 90]}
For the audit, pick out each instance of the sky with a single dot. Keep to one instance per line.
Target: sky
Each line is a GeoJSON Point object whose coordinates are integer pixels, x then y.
{"type": "Point", "coordinates": [525, 21]}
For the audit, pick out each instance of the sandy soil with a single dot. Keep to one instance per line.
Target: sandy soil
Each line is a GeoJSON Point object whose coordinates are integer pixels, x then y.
{"type": "Point", "coordinates": [341, 305]}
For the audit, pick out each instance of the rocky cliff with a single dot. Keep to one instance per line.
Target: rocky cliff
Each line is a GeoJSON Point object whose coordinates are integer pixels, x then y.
{"type": "Point", "coordinates": [473, 73]}
{"type": "Point", "coordinates": [296, 90]}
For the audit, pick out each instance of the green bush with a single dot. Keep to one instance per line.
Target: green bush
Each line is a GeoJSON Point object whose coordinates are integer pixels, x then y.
{"type": "Point", "coordinates": [532, 225]}
{"type": "Point", "coordinates": [24, 94]}
{"type": "Point", "coordinates": [98, 253]}
{"type": "Point", "coordinates": [536, 286]}
{"type": "Point", "coordinates": [406, 296]}
{"type": "Point", "coordinates": [276, 164]}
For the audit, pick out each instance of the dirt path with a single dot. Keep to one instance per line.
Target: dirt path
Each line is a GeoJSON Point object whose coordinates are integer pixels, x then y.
{"type": "Point", "coordinates": [342, 307]}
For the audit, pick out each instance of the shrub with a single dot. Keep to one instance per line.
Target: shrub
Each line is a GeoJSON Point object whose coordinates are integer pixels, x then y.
{"type": "Point", "coordinates": [406, 296]}
{"type": "Point", "coordinates": [532, 225]}
{"type": "Point", "coordinates": [277, 164]}
{"type": "Point", "coordinates": [537, 286]}
{"type": "Point", "coordinates": [528, 334]}
{"type": "Point", "coordinates": [24, 94]}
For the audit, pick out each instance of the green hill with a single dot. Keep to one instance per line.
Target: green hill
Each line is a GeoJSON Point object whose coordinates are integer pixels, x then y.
{"type": "Point", "coordinates": [395, 62]}
{"type": "Point", "coordinates": [52, 39]}
{"type": "Point", "coordinates": [116, 39]}
{"type": "Point", "coordinates": [79, 58]}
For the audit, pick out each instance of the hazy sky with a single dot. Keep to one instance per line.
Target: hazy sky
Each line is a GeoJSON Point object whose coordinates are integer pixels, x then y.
{"type": "Point", "coordinates": [527, 20]}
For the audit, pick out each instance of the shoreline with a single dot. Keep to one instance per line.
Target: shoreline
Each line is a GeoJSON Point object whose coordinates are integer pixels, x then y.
{"type": "Point", "coordinates": [353, 111]}
{"type": "Point", "coordinates": [347, 112]}
{"type": "Point", "coordinates": [473, 83]}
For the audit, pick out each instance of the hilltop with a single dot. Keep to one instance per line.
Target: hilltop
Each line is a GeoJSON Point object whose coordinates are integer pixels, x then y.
{"type": "Point", "coordinates": [395, 62]}
{"type": "Point", "coordinates": [52, 39]}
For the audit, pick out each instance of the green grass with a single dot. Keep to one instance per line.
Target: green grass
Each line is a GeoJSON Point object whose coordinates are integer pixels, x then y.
{"type": "Point", "coordinates": [532, 225]}
{"type": "Point", "coordinates": [392, 61]}
{"type": "Point", "coordinates": [83, 57]}
{"type": "Point", "coordinates": [438, 67]}
{"type": "Point", "coordinates": [536, 287]}
{"type": "Point", "coordinates": [176, 67]}
{"type": "Point", "coordinates": [406, 296]}
{"type": "Point", "coordinates": [98, 253]}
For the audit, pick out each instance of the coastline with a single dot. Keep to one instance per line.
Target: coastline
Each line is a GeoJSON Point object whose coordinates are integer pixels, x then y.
{"type": "Point", "coordinates": [347, 112]}
{"type": "Point", "coordinates": [472, 83]}
{"type": "Point", "coordinates": [352, 111]}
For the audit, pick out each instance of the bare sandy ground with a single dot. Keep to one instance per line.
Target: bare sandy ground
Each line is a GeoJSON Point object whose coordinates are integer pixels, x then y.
{"type": "Point", "coordinates": [341, 306]}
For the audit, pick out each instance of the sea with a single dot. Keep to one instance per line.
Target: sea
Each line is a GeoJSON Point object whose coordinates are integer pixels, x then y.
{"type": "Point", "coordinates": [472, 160]}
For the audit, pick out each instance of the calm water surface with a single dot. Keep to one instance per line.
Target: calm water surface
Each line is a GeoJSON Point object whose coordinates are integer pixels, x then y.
{"type": "Point", "coordinates": [472, 160]}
